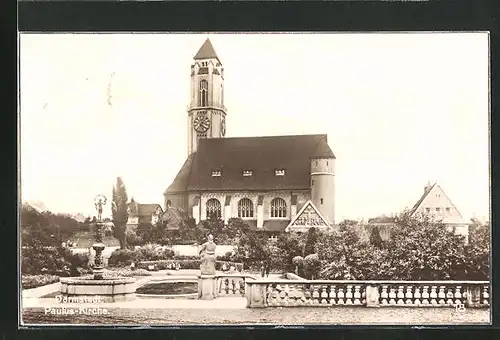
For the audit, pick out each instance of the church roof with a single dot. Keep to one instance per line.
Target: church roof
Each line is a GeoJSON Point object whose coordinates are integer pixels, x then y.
{"type": "Point", "coordinates": [206, 51]}
{"type": "Point", "coordinates": [323, 151]}
{"type": "Point", "coordinates": [261, 155]}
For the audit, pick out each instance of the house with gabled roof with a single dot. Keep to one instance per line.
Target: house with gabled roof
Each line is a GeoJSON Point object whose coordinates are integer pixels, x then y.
{"type": "Point", "coordinates": [142, 213]}
{"type": "Point", "coordinates": [262, 180]}
{"type": "Point", "coordinates": [436, 203]}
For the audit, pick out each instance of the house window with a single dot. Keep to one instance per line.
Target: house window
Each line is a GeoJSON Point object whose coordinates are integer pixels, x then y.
{"type": "Point", "coordinates": [216, 173]}
{"type": "Point", "coordinates": [278, 207]}
{"type": "Point", "coordinates": [321, 201]}
{"type": "Point", "coordinates": [273, 238]}
{"type": "Point", "coordinates": [428, 209]}
{"type": "Point", "coordinates": [203, 99]}
{"type": "Point", "coordinates": [279, 172]}
{"type": "Point", "coordinates": [438, 209]}
{"type": "Point", "coordinates": [247, 173]}
{"type": "Point", "coordinates": [245, 208]}
{"type": "Point", "coordinates": [448, 209]}
{"type": "Point", "coordinates": [213, 208]}
{"type": "Point", "coordinates": [312, 182]}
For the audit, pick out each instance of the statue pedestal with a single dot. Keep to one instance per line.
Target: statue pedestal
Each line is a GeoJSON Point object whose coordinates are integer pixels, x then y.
{"type": "Point", "coordinates": [206, 287]}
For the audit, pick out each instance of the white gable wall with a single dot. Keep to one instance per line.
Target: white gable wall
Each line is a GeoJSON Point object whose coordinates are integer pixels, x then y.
{"type": "Point", "coordinates": [437, 204]}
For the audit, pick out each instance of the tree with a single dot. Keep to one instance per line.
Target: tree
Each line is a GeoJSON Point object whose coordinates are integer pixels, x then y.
{"type": "Point", "coordinates": [311, 238]}
{"type": "Point", "coordinates": [120, 212]}
{"type": "Point", "coordinates": [298, 261]}
{"type": "Point", "coordinates": [375, 238]}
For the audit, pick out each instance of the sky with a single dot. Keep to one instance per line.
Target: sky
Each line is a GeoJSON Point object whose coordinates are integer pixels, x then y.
{"type": "Point", "coordinates": [399, 110]}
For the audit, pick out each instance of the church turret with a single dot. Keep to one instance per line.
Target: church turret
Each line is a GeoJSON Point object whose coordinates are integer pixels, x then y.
{"type": "Point", "coordinates": [323, 180]}
{"type": "Point", "coordinates": [206, 111]}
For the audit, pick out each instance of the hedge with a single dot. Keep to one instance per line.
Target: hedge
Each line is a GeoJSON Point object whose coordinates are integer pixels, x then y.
{"type": "Point", "coordinates": [186, 264]}
{"type": "Point", "coordinates": [33, 281]}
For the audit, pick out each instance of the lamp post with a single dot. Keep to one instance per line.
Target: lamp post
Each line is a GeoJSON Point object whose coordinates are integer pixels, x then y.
{"type": "Point", "coordinates": [99, 201]}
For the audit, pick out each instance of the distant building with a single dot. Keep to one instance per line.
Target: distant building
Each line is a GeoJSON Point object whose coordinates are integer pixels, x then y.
{"type": "Point", "coordinates": [270, 182]}
{"type": "Point", "coordinates": [142, 213]}
{"type": "Point", "coordinates": [435, 203]}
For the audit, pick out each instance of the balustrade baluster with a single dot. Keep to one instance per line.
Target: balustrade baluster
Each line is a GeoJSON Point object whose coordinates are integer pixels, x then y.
{"type": "Point", "coordinates": [409, 295]}
{"type": "Point", "coordinates": [449, 296]}
{"type": "Point", "coordinates": [384, 295]}
{"type": "Point", "coordinates": [315, 295]}
{"type": "Point", "coordinates": [433, 295]}
{"type": "Point", "coordinates": [357, 295]}
{"type": "Point", "coordinates": [340, 296]}
{"type": "Point", "coordinates": [324, 295]}
{"type": "Point", "coordinates": [401, 295]}
{"type": "Point", "coordinates": [425, 295]}
{"type": "Point", "coordinates": [417, 295]}
{"type": "Point", "coordinates": [486, 295]}
{"type": "Point", "coordinates": [458, 295]}
{"type": "Point", "coordinates": [348, 295]}
{"type": "Point", "coordinates": [392, 295]}
{"type": "Point", "coordinates": [442, 295]}
{"type": "Point", "coordinates": [332, 295]}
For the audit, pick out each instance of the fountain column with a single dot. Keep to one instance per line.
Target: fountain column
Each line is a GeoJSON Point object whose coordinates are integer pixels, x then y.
{"type": "Point", "coordinates": [98, 246]}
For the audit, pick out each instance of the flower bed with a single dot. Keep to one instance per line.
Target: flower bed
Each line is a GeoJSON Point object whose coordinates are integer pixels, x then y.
{"type": "Point", "coordinates": [186, 264]}
{"type": "Point", "coordinates": [121, 272]}
{"type": "Point", "coordinates": [33, 281]}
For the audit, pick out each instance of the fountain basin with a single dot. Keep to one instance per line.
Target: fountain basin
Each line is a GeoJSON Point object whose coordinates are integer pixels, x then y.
{"type": "Point", "coordinates": [107, 289]}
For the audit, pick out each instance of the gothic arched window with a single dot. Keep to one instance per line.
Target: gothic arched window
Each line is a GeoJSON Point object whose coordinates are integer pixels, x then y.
{"type": "Point", "coordinates": [278, 207]}
{"type": "Point", "coordinates": [213, 208]}
{"type": "Point", "coordinates": [203, 99]}
{"type": "Point", "coordinates": [245, 208]}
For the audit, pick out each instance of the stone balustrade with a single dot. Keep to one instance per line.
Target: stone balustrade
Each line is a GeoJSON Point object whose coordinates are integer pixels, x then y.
{"type": "Point", "coordinates": [231, 284]}
{"type": "Point", "coordinates": [288, 293]}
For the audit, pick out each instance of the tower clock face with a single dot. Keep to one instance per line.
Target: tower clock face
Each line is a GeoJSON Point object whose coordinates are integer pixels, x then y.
{"type": "Point", "coordinates": [223, 127]}
{"type": "Point", "coordinates": [201, 123]}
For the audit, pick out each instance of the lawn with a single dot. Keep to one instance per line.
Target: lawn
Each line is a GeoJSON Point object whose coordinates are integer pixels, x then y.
{"type": "Point", "coordinates": [169, 288]}
{"type": "Point", "coordinates": [277, 315]}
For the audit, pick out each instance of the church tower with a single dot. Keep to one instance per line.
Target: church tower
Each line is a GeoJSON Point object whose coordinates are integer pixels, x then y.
{"type": "Point", "coordinates": [323, 181]}
{"type": "Point", "coordinates": [206, 111]}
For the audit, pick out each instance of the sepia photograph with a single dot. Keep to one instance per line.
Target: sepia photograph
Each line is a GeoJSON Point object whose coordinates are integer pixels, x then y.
{"type": "Point", "coordinates": [270, 179]}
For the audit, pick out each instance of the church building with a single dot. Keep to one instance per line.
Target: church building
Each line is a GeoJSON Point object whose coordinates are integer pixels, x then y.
{"type": "Point", "coordinates": [274, 183]}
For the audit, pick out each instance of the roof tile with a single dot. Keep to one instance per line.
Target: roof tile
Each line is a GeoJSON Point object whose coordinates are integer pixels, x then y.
{"type": "Point", "coordinates": [261, 154]}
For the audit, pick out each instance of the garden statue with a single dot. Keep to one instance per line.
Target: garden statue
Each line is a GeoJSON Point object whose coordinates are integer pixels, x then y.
{"type": "Point", "coordinates": [100, 200]}
{"type": "Point", "coordinates": [207, 252]}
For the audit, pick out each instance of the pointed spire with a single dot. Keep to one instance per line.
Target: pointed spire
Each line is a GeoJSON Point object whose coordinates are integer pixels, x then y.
{"type": "Point", "coordinates": [206, 51]}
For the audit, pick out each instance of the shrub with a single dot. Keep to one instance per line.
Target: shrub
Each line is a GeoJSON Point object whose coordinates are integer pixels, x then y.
{"type": "Point", "coordinates": [152, 252]}
{"type": "Point", "coordinates": [45, 260]}
{"type": "Point", "coordinates": [33, 281]}
{"type": "Point", "coordinates": [121, 257]}
{"type": "Point", "coordinates": [298, 261]}
{"type": "Point", "coordinates": [312, 266]}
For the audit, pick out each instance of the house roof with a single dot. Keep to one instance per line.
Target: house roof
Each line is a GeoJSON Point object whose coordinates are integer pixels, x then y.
{"type": "Point", "coordinates": [173, 217]}
{"type": "Point", "coordinates": [206, 51]}
{"type": "Point", "coordinates": [427, 190]}
{"type": "Point", "coordinates": [147, 209]}
{"type": "Point", "coordinates": [143, 209]}
{"type": "Point", "coordinates": [382, 219]}
{"type": "Point", "coordinates": [262, 155]}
